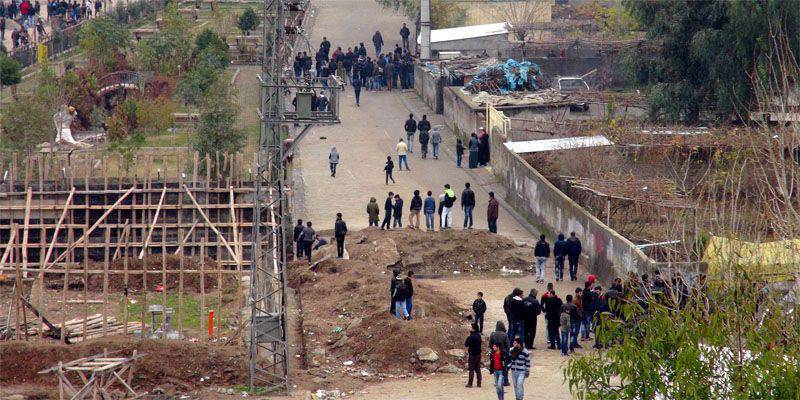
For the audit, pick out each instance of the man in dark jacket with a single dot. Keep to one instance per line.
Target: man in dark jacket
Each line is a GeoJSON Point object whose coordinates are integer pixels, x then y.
{"type": "Point", "coordinates": [339, 231]}
{"type": "Point", "coordinates": [559, 254]}
{"type": "Point", "coordinates": [532, 311]}
{"type": "Point", "coordinates": [404, 33]}
{"type": "Point", "coordinates": [467, 204]}
{"type": "Point", "coordinates": [387, 208]}
{"type": "Point", "coordinates": [552, 313]}
{"type": "Point", "coordinates": [573, 255]}
{"type": "Point", "coordinates": [411, 128]}
{"type": "Point", "coordinates": [414, 210]}
{"type": "Point", "coordinates": [473, 345]}
{"type": "Point", "coordinates": [325, 46]}
{"type": "Point", "coordinates": [307, 236]}
{"type": "Point", "coordinates": [542, 253]}
{"type": "Point", "coordinates": [588, 298]}
{"type": "Point", "coordinates": [424, 126]}
{"type": "Point", "coordinates": [298, 229]}
{"type": "Point", "coordinates": [409, 292]}
{"type": "Point", "coordinates": [479, 308]}
{"type": "Point", "coordinates": [500, 338]}
{"type": "Point", "coordinates": [377, 40]}
{"type": "Point", "coordinates": [516, 315]}
{"type": "Point", "coordinates": [492, 213]}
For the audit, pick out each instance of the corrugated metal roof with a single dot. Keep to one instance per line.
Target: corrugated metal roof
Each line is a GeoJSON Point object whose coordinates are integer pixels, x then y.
{"type": "Point", "coordinates": [535, 146]}
{"type": "Point", "coordinates": [467, 32]}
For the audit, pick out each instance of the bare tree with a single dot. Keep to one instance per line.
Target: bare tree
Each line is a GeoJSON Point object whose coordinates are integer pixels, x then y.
{"type": "Point", "coordinates": [524, 17]}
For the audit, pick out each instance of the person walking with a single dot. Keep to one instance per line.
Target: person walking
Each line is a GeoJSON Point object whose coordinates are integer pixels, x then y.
{"type": "Point", "coordinates": [387, 208]}
{"type": "Point", "coordinates": [479, 309]}
{"type": "Point", "coordinates": [473, 345]}
{"type": "Point", "coordinates": [559, 254]}
{"type": "Point", "coordinates": [414, 209]}
{"type": "Point", "coordinates": [298, 230]}
{"type": "Point", "coordinates": [409, 292]}
{"type": "Point", "coordinates": [500, 338]}
{"type": "Point", "coordinates": [357, 83]}
{"type": "Point", "coordinates": [473, 151]}
{"type": "Point", "coordinates": [467, 204]}
{"type": "Point", "coordinates": [459, 152]}
{"type": "Point", "coordinates": [498, 362]}
{"type": "Point", "coordinates": [373, 211]}
{"type": "Point", "coordinates": [308, 237]}
{"type": "Point", "coordinates": [542, 253]}
{"type": "Point", "coordinates": [339, 232]}
{"type": "Point", "coordinates": [552, 312]}
{"type": "Point", "coordinates": [392, 286]}
{"type": "Point", "coordinates": [404, 33]}
{"type": "Point", "coordinates": [441, 210]}
{"type": "Point", "coordinates": [532, 311]}
{"type": "Point", "coordinates": [333, 160]}
{"type": "Point", "coordinates": [447, 212]}
{"type": "Point", "coordinates": [424, 126]}
{"type": "Point", "coordinates": [573, 255]}
{"type": "Point", "coordinates": [402, 154]}
{"type": "Point", "coordinates": [520, 362]}
{"type": "Point", "coordinates": [410, 128]}
{"type": "Point", "coordinates": [377, 40]}
{"type": "Point", "coordinates": [429, 209]}
{"type": "Point", "coordinates": [389, 167]}
{"type": "Point", "coordinates": [397, 210]}
{"type": "Point", "coordinates": [436, 139]}
{"type": "Point", "coordinates": [576, 319]}
{"type": "Point", "coordinates": [399, 297]}
{"type": "Point", "coordinates": [492, 213]}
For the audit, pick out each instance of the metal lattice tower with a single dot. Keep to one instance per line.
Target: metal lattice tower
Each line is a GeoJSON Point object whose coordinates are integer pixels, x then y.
{"type": "Point", "coordinates": [269, 353]}
{"type": "Point", "coordinates": [269, 361]}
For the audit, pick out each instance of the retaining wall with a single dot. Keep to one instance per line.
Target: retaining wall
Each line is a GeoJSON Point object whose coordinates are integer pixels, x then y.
{"type": "Point", "coordinates": [429, 88]}
{"type": "Point", "coordinates": [542, 203]}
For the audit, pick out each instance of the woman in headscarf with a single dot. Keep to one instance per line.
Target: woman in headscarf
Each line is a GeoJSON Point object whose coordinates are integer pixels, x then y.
{"type": "Point", "coordinates": [473, 151]}
{"type": "Point", "coordinates": [333, 159]}
{"type": "Point", "coordinates": [483, 148]}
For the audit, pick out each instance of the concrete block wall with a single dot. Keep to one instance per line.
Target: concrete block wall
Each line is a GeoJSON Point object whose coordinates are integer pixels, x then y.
{"type": "Point", "coordinates": [462, 116]}
{"type": "Point", "coordinates": [429, 88]}
{"type": "Point", "coordinates": [609, 253]}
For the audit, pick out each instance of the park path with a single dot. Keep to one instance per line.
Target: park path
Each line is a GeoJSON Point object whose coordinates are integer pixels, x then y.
{"type": "Point", "coordinates": [369, 133]}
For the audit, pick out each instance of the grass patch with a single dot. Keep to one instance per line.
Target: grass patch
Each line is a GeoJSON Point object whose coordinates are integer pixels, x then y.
{"type": "Point", "coordinates": [168, 139]}
{"type": "Point", "coordinates": [191, 309]}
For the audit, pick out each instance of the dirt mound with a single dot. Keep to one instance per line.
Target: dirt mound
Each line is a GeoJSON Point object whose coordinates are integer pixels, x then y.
{"type": "Point", "coordinates": [437, 253]}
{"type": "Point", "coordinates": [116, 282]}
{"type": "Point", "coordinates": [346, 318]}
{"type": "Point", "coordinates": [178, 363]}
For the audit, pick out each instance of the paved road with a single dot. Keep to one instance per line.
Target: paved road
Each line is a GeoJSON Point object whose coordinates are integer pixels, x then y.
{"type": "Point", "coordinates": [368, 134]}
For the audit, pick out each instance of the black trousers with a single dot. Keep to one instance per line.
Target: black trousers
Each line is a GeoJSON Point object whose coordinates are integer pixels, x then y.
{"type": "Point", "coordinates": [479, 321]}
{"type": "Point", "coordinates": [530, 333]}
{"type": "Point", "coordinates": [340, 246]}
{"type": "Point", "coordinates": [474, 366]}
{"type": "Point", "coordinates": [299, 253]}
{"type": "Point", "coordinates": [307, 248]}
{"type": "Point", "coordinates": [387, 220]}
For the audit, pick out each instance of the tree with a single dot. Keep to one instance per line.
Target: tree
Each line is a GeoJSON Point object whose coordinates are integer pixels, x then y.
{"type": "Point", "coordinates": [210, 49]}
{"type": "Point", "coordinates": [102, 39]}
{"type": "Point", "coordinates": [217, 129]}
{"type": "Point", "coordinates": [169, 48]}
{"type": "Point", "coordinates": [706, 53]}
{"type": "Point", "coordinates": [196, 83]}
{"type": "Point", "coordinates": [10, 73]}
{"type": "Point", "coordinates": [26, 123]}
{"type": "Point", "coordinates": [248, 21]}
{"type": "Point", "coordinates": [524, 16]}
{"type": "Point", "coordinates": [444, 13]}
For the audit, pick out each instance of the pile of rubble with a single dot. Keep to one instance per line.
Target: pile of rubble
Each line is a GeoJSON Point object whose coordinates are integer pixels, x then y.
{"type": "Point", "coordinates": [541, 97]}
{"type": "Point", "coordinates": [511, 76]}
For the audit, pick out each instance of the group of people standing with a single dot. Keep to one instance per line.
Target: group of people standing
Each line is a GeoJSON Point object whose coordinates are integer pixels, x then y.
{"type": "Point", "coordinates": [393, 208]}
{"type": "Point", "coordinates": [28, 16]}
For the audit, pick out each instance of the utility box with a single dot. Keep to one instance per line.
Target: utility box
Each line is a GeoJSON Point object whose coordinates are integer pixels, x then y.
{"type": "Point", "coordinates": [268, 326]}
{"type": "Point", "coordinates": [303, 105]}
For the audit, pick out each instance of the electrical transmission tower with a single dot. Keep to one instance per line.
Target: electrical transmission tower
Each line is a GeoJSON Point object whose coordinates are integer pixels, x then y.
{"type": "Point", "coordinates": [268, 345]}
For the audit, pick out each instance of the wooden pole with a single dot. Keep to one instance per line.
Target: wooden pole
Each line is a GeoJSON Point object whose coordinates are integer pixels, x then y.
{"type": "Point", "coordinates": [89, 231]}
{"type": "Point", "coordinates": [210, 225]}
{"type": "Point", "coordinates": [188, 234]}
{"type": "Point", "coordinates": [85, 280]}
{"type": "Point", "coordinates": [58, 227]}
{"type": "Point", "coordinates": [26, 226]}
{"type": "Point", "coordinates": [125, 278]}
{"type": "Point", "coordinates": [153, 224]}
{"type": "Point", "coordinates": [106, 258]}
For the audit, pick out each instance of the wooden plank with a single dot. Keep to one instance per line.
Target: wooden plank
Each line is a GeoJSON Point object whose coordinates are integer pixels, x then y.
{"type": "Point", "coordinates": [58, 227]}
{"type": "Point", "coordinates": [153, 224]}
{"type": "Point", "coordinates": [26, 226]}
{"type": "Point", "coordinates": [87, 232]}
{"type": "Point", "coordinates": [210, 225]}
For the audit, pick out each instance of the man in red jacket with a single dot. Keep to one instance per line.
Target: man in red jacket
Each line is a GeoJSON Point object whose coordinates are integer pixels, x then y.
{"type": "Point", "coordinates": [492, 212]}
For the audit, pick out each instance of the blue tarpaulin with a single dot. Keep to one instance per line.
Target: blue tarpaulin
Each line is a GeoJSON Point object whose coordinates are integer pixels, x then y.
{"type": "Point", "coordinates": [504, 76]}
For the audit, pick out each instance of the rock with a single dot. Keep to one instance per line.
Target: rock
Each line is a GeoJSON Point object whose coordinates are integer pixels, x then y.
{"type": "Point", "coordinates": [427, 354]}
{"type": "Point", "coordinates": [457, 353]}
{"type": "Point", "coordinates": [318, 380]}
{"type": "Point", "coordinates": [355, 323]}
{"type": "Point", "coordinates": [341, 342]}
{"type": "Point", "coordinates": [449, 369]}
{"type": "Point", "coordinates": [412, 360]}
{"type": "Point", "coordinates": [412, 261]}
{"type": "Point", "coordinates": [384, 253]}
{"type": "Point", "coordinates": [319, 351]}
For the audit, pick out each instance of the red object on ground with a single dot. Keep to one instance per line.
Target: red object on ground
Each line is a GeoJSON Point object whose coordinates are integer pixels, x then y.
{"type": "Point", "coordinates": [210, 323]}
{"type": "Point", "coordinates": [159, 288]}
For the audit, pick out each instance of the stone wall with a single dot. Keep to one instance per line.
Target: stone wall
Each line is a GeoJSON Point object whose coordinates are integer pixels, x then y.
{"type": "Point", "coordinates": [461, 115]}
{"type": "Point", "coordinates": [429, 88]}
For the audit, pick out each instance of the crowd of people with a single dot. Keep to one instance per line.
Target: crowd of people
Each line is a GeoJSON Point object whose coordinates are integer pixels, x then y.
{"type": "Point", "coordinates": [26, 22]}
{"type": "Point", "coordinates": [429, 207]}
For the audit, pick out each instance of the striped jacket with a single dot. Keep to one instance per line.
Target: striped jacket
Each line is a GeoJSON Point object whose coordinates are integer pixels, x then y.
{"type": "Point", "coordinates": [520, 361]}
